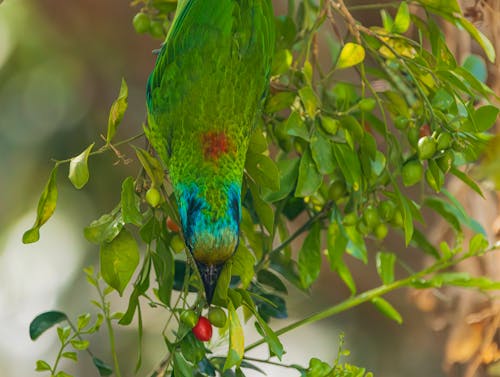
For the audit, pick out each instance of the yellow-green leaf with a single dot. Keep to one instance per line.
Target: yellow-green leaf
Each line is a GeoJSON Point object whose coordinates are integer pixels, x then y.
{"type": "Point", "coordinates": [402, 20]}
{"type": "Point", "coordinates": [46, 207]}
{"type": "Point", "coordinates": [351, 54]}
{"type": "Point", "coordinates": [79, 169]}
{"type": "Point", "coordinates": [387, 309]}
{"type": "Point", "coordinates": [117, 111]}
{"type": "Point", "coordinates": [236, 339]}
{"type": "Point", "coordinates": [151, 165]}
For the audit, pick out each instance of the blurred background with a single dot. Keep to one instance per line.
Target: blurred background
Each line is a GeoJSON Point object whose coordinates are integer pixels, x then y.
{"type": "Point", "coordinates": [61, 63]}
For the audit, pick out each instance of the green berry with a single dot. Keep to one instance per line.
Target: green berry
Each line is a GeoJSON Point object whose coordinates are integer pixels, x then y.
{"type": "Point", "coordinates": [386, 210]}
{"type": "Point", "coordinates": [371, 217]}
{"type": "Point", "coordinates": [189, 318]}
{"type": "Point", "coordinates": [153, 197]}
{"type": "Point", "coordinates": [445, 161]}
{"type": "Point", "coordinates": [397, 220]}
{"type": "Point", "coordinates": [217, 317]}
{"type": "Point", "coordinates": [381, 231]}
{"type": "Point", "coordinates": [412, 172]}
{"type": "Point", "coordinates": [156, 29]}
{"type": "Point", "coordinates": [366, 105]}
{"type": "Point", "coordinates": [413, 135]}
{"type": "Point", "coordinates": [330, 125]}
{"type": "Point", "coordinates": [401, 122]}
{"type": "Point", "coordinates": [444, 141]}
{"type": "Point", "coordinates": [350, 219]}
{"type": "Point", "coordinates": [141, 23]}
{"type": "Point", "coordinates": [427, 147]}
{"type": "Point", "coordinates": [337, 190]}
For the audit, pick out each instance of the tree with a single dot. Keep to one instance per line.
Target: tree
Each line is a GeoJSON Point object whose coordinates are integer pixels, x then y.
{"type": "Point", "coordinates": [331, 160]}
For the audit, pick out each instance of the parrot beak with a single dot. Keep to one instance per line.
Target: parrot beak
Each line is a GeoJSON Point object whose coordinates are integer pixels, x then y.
{"type": "Point", "coordinates": [209, 275]}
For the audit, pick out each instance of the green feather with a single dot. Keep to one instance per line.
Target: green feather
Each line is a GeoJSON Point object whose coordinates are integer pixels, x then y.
{"type": "Point", "coordinates": [209, 82]}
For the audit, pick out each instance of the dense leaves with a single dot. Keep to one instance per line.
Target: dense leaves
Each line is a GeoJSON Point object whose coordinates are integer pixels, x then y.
{"type": "Point", "coordinates": [329, 162]}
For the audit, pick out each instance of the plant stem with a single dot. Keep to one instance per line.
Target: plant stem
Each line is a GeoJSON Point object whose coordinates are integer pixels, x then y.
{"type": "Point", "coordinates": [105, 148]}
{"type": "Point", "coordinates": [365, 297]}
{"type": "Point", "coordinates": [394, 4]}
{"type": "Point", "coordinates": [109, 325]}
{"type": "Point", "coordinates": [264, 361]}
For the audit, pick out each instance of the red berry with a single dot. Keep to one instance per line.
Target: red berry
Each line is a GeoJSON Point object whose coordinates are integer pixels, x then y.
{"type": "Point", "coordinates": [203, 329]}
{"type": "Point", "coordinates": [425, 130]}
{"type": "Point", "coordinates": [172, 226]}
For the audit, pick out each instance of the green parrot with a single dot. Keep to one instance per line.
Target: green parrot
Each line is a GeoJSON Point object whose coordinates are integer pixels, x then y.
{"type": "Point", "coordinates": [203, 97]}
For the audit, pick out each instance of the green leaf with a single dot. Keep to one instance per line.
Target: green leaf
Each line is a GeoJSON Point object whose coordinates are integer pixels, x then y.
{"type": "Point", "coordinates": [263, 171]}
{"type": "Point", "coordinates": [70, 355]}
{"type": "Point", "coordinates": [281, 62]}
{"type": "Point", "coordinates": [163, 263]}
{"type": "Point", "coordinates": [117, 111]}
{"type": "Point", "coordinates": [63, 333]}
{"type": "Point", "coordinates": [387, 309]}
{"type": "Point", "coordinates": [442, 6]}
{"type": "Point", "coordinates": [478, 244]}
{"type": "Point", "coordinates": [420, 241]}
{"type": "Point", "coordinates": [309, 178]}
{"type": "Point", "coordinates": [83, 321]}
{"type": "Point", "coordinates": [63, 374]}
{"type": "Point", "coordinates": [288, 173]}
{"type": "Point", "coordinates": [318, 368]}
{"type": "Point", "coordinates": [243, 262]}
{"type": "Point", "coordinates": [42, 365]}
{"type": "Point", "coordinates": [466, 179]}
{"type": "Point", "coordinates": [45, 321]}
{"type": "Point", "coordinates": [310, 257]}
{"type": "Point", "coordinates": [181, 367]}
{"type": "Point", "coordinates": [476, 66]}
{"type": "Point", "coordinates": [387, 20]}
{"type": "Point", "coordinates": [79, 169]}
{"type": "Point", "coordinates": [356, 244]}
{"type": "Point", "coordinates": [337, 244]}
{"type": "Point", "coordinates": [309, 100]}
{"type": "Point", "coordinates": [80, 344]}
{"type": "Point", "coordinates": [102, 367]}
{"type": "Point", "coordinates": [266, 277]}
{"type": "Point", "coordinates": [279, 101]}
{"type": "Point", "coordinates": [46, 207]}
{"type": "Point", "coordinates": [402, 20]}
{"type": "Point", "coordinates": [407, 215]}
{"type": "Point", "coordinates": [192, 349]}
{"type": "Point", "coordinates": [275, 346]}
{"type": "Point", "coordinates": [236, 339]}
{"type": "Point", "coordinates": [348, 161]}
{"type": "Point", "coordinates": [350, 55]}
{"type": "Point", "coordinates": [485, 117]}
{"type": "Point", "coordinates": [322, 153]}
{"type": "Point", "coordinates": [461, 214]}
{"type": "Point", "coordinates": [220, 295]}
{"type": "Point", "coordinates": [104, 229]}
{"type": "Point", "coordinates": [119, 259]}
{"type": "Point", "coordinates": [385, 266]}
{"type": "Point", "coordinates": [130, 203]}
{"type": "Point", "coordinates": [479, 37]}
{"type": "Point", "coordinates": [151, 165]}
{"type": "Point", "coordinates": [263, 209]}
{"type": "Point", "coordinates": [443, 209]}
{"type": "Point", "coordinates": [442, 100]}
{"type": "Point", "coordinates": [295, 126]}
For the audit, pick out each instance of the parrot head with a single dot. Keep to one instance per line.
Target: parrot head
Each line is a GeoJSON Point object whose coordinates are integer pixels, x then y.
{"type": "Point", "coordinates": [211, 235]}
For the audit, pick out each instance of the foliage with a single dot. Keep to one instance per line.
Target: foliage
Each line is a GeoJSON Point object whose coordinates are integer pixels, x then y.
{"type": "Point", "coordinates": [338, 154]}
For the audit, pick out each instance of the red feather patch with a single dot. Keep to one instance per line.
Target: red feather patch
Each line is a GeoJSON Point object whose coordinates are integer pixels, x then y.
{"type": "Point", "coordinates": [215, 144]}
